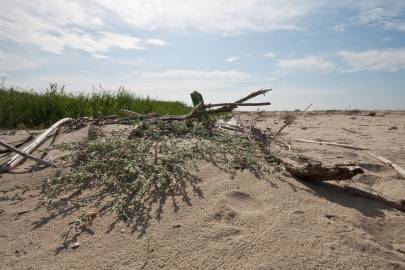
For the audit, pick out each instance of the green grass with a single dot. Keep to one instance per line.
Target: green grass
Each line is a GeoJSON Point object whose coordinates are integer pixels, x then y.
{"type": "Point", "coordinates": [28, 108]}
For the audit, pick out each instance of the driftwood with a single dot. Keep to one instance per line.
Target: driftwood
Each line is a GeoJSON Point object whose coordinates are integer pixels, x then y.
{"type": "Point", "coordinates": [396, 167]}
{"type": "Point", "coordinates": [334, 144]}
{"type": "Point", "coordinates": [236, 104]}
{"type": "Point", "coordinates": [197, 112]}
{"type": "Point", "coordinates": [290, 122]}
{"type": "Point", "coordinates": [17, 159]}
{"type": "Point", "coordinates": [131, 113]}
{"type": "Point", "coordinates": [18, 144]}
{"type": "Point", "coordinates": [18, 151]}
{"type": "Point", "coordinates": [349, 130]}
{"type": "Point", "coordinates": [314, 171]}
{"type": "Point", "coordinates": [229, 108]}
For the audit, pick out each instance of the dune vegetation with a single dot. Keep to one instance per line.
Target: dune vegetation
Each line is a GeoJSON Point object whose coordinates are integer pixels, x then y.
{"type": "Point", "coordinates": [21, 108]}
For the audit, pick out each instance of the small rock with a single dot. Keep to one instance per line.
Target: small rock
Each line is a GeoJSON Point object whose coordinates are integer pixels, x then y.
{"type": "Point", "coordinates": [75, 245]}
{"type": "Point", "coordinates": [371, 114]}
{"type": "Point", "coordinates": [123, 231]}
{"type": "Point", "coordinates": [329, 216]}
{"type": "Point", "coordinates": [176, 226]}
{"type": "Point", "coordinates": [393, 128]}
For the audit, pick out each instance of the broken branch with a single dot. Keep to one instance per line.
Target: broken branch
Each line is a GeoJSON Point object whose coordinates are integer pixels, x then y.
{"type": "Point", "coordinates": [17, 159]}
{"type": "Point", "coordinates": [334, 144]}
{"type": "Point", "coordinates": [396, 167]}
{"type": "Point", "coordinates": [18, 151]}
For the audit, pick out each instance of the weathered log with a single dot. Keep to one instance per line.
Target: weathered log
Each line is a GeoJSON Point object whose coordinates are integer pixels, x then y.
{"type": "Point", "coordinates": [198, 100]}
{"type": "Point", "coordinates": [314, 171]}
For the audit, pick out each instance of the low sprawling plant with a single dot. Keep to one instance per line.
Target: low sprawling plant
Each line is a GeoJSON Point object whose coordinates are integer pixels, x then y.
{"type": "Point", "coordinates": [156, 159]}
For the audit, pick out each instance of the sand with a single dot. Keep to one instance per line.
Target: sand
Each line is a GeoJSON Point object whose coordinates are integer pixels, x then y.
{"type": "Point", "coordinates": [240, 223]}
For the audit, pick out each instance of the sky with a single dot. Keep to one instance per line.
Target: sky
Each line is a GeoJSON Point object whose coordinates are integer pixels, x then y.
{"type": "Point", "coordinates": [332, 54]}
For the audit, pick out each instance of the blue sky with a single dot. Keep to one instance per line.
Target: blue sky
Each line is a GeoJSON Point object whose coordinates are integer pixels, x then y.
{"type": "Point", "coordinates": [334, 54]}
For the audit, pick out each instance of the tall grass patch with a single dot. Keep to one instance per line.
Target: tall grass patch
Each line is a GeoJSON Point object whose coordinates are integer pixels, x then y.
{"type": "Point", "coordinates": [29, 108]}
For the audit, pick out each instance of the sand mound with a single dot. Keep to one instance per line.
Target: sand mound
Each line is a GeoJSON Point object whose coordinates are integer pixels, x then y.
{"type": "Point", "coordinates": [228, 223]}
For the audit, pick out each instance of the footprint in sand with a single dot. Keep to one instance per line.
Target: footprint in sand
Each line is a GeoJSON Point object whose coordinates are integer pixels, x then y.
{"type": "Point", "coordinates": [241, 201]}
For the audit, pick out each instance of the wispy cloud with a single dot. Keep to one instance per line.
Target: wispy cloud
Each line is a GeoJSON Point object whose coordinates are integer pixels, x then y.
{"type": "Point", "coordinates": [389, 18]}
{"type": "Point", "coordinates": [100, 56]}
{"type": "Point", "coordinates": [54, 26]}
{"type": "Point", "coordinates": [213, 15]}
{"type": "Point", "coordinates": [270, 55]}
{"type": "Point", "coordinates": [306, 64]}
{"type": "Point", "coordinates": [232, 59]}
{"type": "Point", "coordinates": [388, 60]}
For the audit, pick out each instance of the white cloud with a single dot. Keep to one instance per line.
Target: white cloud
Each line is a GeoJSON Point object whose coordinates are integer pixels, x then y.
{"type": "Point", "coordinates": [232, 59]}
{"type": "Point", "coordinates": [389, 60]}
{"type": "Point", "coordinates": [306, 64]}
{"type": "Point", "coordinates": [389, 18]}
{"type": "Point", "coordinates": [100, 56]}
{"type": "Point", "coordinates": [56, 25]}
{"type": "Point", "coordinates": [155, 41]}
{"type": "Point", "coordinates": [212, 15]}
{"type": "Point", "coordinates": [270, 55]}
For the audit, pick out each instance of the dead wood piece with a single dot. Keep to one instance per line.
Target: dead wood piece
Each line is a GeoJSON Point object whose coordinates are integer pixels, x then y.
{"type": "Point", "coordinates": [18, 144]}
{"type": "Point", "coordinates": [229, 108]}
{"type": "Point", "coordinates": [397, 168]}
{"type": "Point", "coordinates": [334, 144]}
{"type": "Point", "coordinates": [195, 113]}
{"type": "Point", "coordinates": [17, 159]}
{"type": "Point", "coordinates": [234, 104]}
{"type": "Point", "coordinates": [348, 130]}
{"type": "Point", "coordinates": [290, 122]}
{"type": "Point", "coordinates": [131, 113]}
{"type": "Point", "coordinates": [258, 134]}
{"type": "Point", "coordinates": [18, 151]}
{"type": "Point", "coordinates": [252, 95]}
{"type": "Point", "coordinates": [310, 170]}
{"type": "Point", "coordinates": [149, 115]}
{"type": "Point", "coordinates": [316, 171]}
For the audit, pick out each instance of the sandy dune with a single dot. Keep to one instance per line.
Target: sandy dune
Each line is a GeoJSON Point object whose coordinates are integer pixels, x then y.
{"type": "Point", "coordinates": [223, 223]}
